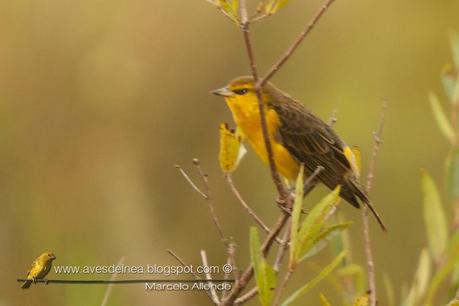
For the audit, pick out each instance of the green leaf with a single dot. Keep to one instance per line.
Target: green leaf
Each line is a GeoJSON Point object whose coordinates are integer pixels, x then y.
{"type": "Point", "coordinates": [455, 47]}
{"type": "Point", "coordinates": [453, 247]}
{"type": "Point", "coordinates": [442, 120]}
{"type": "Point", "coordinates": [264, 273]}
{"type": "Point", "coordinates": [421, 280]}
{"type": "Point", "coordinates": [279, 4]}
{"type": "Point", "coordinates": [434, 217]}
{"type": "Point", "coordinates": [341, 242]}
{"type": "Point", "coordinates": [324, 237]}
{"type": "Point", "coordinates": [440, 277]}
{"type": "Point", "coordinates": [449, 80]}
{"type": "Point", "coordinates": [296, 214]}
{"type": "Point", "coordinates": [389, 290]}
{"type": "Point", "coordinates": [357, 272]}
{"type": "Point", "coordinates": [323, 300]}
{"type": "Point", "coordinates": [312, 283]}
{"type": "Point", "coordinates": [452, 173]}
{"type": "Point", "coordinates": [313, 223]}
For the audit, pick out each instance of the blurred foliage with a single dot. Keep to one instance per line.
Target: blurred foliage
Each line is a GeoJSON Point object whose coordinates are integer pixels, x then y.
{"type": "Point", "coordinates": [438, 264]}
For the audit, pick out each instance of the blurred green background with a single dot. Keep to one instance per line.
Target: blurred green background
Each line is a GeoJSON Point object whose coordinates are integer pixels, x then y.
{"type": "Point", "coordinates": [98, 100]}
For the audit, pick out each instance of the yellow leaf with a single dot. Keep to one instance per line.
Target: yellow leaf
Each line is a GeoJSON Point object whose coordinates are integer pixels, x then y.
{"type": "Point", "coordinates": [442, 120]}
{"type": "Point", "coordinates": [231, 149]}
{"type": "Point", "coordinates": [323, 300]}
{"type": "Point", "coordinates": [230, 8]}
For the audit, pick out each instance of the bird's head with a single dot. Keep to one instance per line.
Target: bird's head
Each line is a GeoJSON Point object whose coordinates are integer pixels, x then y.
{"type": "Point", "coordinates": [241, 91]}
{"type": "Point", "coordinates": [48, 256]}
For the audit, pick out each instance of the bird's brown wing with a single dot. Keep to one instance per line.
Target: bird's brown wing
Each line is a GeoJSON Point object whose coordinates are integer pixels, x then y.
{"type": "Point", "coordinates": [312, 142]}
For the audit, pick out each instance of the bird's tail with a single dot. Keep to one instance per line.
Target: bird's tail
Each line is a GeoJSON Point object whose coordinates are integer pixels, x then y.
{"type": "Point", "coordinates": [376, 215]}
{"type": "Point", "coordinates": [351, 193]}
{"type": "Point", "coordinates": [26, 284]}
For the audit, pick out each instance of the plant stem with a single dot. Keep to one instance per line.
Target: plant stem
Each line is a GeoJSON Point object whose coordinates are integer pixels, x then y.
{"type": "Point", "coordinates": [366, 225]}
{"type": "Point", "coordinates": [283, 59]}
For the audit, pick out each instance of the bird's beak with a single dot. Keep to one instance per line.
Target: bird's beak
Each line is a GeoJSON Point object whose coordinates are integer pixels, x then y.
{"type": "Point", "coordinates": [53, 257]}
{"type": "Point", "coordinates": [224, 92]}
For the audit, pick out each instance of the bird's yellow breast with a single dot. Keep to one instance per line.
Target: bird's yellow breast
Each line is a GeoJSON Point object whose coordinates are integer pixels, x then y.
{"type": "Point", "coordinates": [247, 117]}
{"type": "Point", "coordinates": [39, 269]}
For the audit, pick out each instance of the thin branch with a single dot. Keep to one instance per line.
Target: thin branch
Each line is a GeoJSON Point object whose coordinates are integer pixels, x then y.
{"type": "Point", "coordinates": [283, 59]}
{"type": "Point", "coordinates": [281, 287]}
{"type": "Point", "coordinates": [213, 292]}
{"type": "Point", "coordinates": [245, 23]}
{"type": "Point", "coordinates": [258, 17]}
{"type": "Point", "coordinates": [190, 181]}
{"type": "Point", "coordinates": [333, 118]}
{"type": "Point", "coordinates": [210, 203]}
{"type": "Point", "coordinates": [231, 260]}
{"type": "Point", "coordinates": [282, 249]}
{"type": "Point", "coordinates": [310, 182]}
{"type": "Point", "coordinates": [366, 226]}
{"type": "Point", "coordinates": [180, 260]}
{"type": "Point", "coordinates": [110, 286]}
{"type": "Point", "coordinates": [249, 210]}
{"type": "Point", "coordinates": [277, 264]}
{"type": "Point", "coordinates": [246, 297]}
{"type": "Point", "coordinates": [206, 195]}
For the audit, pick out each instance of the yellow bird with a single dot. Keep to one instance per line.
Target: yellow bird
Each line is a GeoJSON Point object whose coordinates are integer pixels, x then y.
{"type": "Point", "coordinates": [297, 137]}
{"type": "Point", "coordinates": [39, 269]}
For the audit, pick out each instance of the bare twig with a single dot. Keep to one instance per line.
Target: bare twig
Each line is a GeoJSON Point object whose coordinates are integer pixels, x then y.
{"type": "Point", "coordinates": [281, 287]}
{"type": "Point", "coordinates": [190, 181]}
{"type": "Point", "coordinates": [366, 227]}
{"type": "Point", "coordinates": [231, 260]}
{"type": "Point", "coordinates": [205, 180]}
{"type": "Point", "coordinates": [258, 17]}
{"type": "Point", "coordinates": [110, 286]}
{"type": "Point", "coordinates": [245, 23]}
{"type": "Point", "coordinates": [282, 249]}
{"type": "Point", "coordinates": [333, 118]}
{"type": "Point", "coordinates": [247, 207]}
{"type": "Point", "coordinates": [244, 298]}
{"type": "Point", "coordinates": [213, 292]}
{"type": "Point", "coordinates": [310, 182]}
{"type": "Point", "coordinates": [206, 195]}
{"type": "Point", "coordinates": [180, 260]}
{"type": "Point", "coordinates": [295, 44]}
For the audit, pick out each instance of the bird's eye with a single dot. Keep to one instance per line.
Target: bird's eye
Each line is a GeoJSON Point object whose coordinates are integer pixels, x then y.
{"type": "Point", "coordinates": [241, 91]}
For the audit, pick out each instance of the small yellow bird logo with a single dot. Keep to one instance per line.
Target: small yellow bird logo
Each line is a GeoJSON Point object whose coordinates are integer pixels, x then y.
{"type": "Point", "coordinates": [39, 269]}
